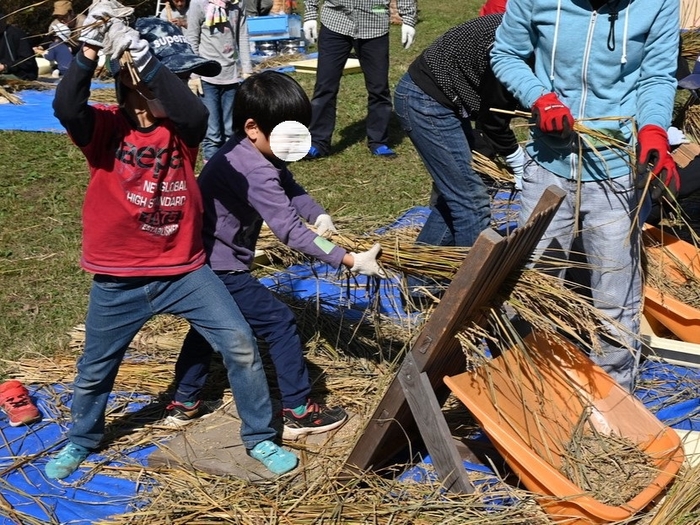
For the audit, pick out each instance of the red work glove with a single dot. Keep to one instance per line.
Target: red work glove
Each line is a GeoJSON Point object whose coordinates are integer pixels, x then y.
{"type": "Point", "coordinates": [552, 115]}
{"type": "Point", "coordinates": [654, 157]}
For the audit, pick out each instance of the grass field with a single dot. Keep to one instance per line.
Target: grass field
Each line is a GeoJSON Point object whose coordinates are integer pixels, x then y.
{"type": "Point", "coordinates": [44, 291]}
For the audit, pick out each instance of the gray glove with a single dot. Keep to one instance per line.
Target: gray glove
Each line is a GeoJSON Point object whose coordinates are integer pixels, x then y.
{"type": "Point", "coordinates": [121, 38]}
{"type": "Point", "coordinates": [366, 262]}
{"type": "Point", "coordinates": [324, 224]}
{"type": "Point", "coordinates": [97, 20]}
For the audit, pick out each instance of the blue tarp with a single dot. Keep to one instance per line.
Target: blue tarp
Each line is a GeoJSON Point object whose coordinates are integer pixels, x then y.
{"type": "Point", "coordinates": [83, 497]}
{"type": "Point", "coordinates": [671, 392]}
{"type": "Point", "coordinates": [35, 113]}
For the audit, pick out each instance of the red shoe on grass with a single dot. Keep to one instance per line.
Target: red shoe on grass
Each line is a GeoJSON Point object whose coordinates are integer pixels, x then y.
{"type": "Point", "coordinates": [15, 402]}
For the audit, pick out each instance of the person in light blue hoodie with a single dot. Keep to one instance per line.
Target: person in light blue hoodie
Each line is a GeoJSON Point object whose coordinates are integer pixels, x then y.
{"type": "Point", "coordinates": [608, 65]}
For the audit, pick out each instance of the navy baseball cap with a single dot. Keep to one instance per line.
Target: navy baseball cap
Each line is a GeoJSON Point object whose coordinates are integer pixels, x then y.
{"type": "Point", "coordinates": [692, 81]}
{"type": "Point", "coordinates": [169, 45]}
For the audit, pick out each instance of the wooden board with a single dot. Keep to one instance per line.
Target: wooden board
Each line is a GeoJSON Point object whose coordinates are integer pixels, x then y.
{"type": "Point", "coordinates": [436, 351]}
{"type": "Point", "coordinates": [311, 65]}
{"type": "Point", "coordinates": [213, 445]}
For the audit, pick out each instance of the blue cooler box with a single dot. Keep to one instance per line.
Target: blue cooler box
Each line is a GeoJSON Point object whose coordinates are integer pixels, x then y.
{"type": "Point", "coordinates": [274, 27]}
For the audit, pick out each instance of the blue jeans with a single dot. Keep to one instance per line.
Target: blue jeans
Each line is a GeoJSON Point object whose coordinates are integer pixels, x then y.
{"type": "Point", "coordinates": [219, 101]}
{"type": "Point", "coordinates": [272, 321]}
{"type": "Point", "coordinates": [119, 307]}
{"type": "Point", "coordinates": [333, 51]}
{"type": "Point", "coordinates": [611, 245]}
{"type": "Point", "coordinates": [462, 208]}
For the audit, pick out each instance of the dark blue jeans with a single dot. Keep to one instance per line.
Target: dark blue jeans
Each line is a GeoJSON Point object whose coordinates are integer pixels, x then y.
{"type": "Point", "coordinates": [272, 321]}
{"type": "Point", "coordinates": [119, 307]}
{"type": "Point", "coordinates": [333, 51]}
{"type": "Point", "coordinates": [219, 101]}
{"type": "Point", "coordinates": [461, 210]}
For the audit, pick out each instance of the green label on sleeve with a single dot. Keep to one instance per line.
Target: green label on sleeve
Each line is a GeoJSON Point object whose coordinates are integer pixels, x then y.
{"type": "Point", "coordinates": [324, 244]}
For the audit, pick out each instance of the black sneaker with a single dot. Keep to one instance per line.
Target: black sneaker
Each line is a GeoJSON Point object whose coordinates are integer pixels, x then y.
{"type": "Point", "coordinates": [316, 419]}
{"type": "Point", "coordinates": [181, 414]}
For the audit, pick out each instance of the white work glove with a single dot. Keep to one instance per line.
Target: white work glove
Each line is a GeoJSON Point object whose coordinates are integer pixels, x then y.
{"type": "Point", "coordinates": [195, 85]}
{"type": "Point", "coordinates": [408, 33]}
{"type": "Point", "coordinates": [121, 38]}
{"type": "Point", "coordinates": [97, 20]}
{"type": "Point", "coordinates": [366, 262]}
{"type": "Point", "coordinates": [516, 162]}
{"type": "Point", "coordinates": [311, 31]}
{"type": "Point", "coordinates": [676, 137]}
{"type": "Point", "coordinates": [61, 30]}
{"type": "Point", "coordinates": [324, 224]}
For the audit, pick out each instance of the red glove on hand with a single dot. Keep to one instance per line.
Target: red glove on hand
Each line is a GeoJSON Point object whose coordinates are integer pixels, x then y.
{"type": "Point", "coordinates": [654, 157]}
{"type": "Point", "coordinates": [552, 115]}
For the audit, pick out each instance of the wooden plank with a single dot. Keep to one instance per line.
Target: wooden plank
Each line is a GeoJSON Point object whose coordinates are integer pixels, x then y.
{"type": "Point", "coordinates": [310, 65]}
{"type": "Point", "coordinates": [436, 351]}
{"type": "Point", "coordinates": [391, 427]}
{"type": "Point", "coordinates": [433, 428]}
{"type": "Point", "coordinates": [212, 445]}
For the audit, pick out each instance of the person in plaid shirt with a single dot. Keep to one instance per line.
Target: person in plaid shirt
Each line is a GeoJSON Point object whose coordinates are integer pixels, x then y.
{"type": "Point", "coordinates": [362, 25]}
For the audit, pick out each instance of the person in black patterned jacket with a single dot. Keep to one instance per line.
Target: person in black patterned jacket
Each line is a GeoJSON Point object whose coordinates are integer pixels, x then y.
{"type": "Point", "coordinates": [449, 86]}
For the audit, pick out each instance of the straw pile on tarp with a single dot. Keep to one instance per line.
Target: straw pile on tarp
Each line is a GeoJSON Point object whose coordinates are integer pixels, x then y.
{"type": "Point", "coordinates": [103, 96]}
{"type": "Point", "coordinates": [9, 87]}
{"type": "Point", "coordinates": [278, 61]}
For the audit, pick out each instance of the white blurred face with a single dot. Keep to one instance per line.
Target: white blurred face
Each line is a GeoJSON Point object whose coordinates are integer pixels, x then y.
{"type": "Point", "coordinates": [290, 141]}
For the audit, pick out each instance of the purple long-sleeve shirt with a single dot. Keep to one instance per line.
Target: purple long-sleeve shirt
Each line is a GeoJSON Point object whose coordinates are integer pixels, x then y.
{"type": "Point", "coordinates": [241, 189]}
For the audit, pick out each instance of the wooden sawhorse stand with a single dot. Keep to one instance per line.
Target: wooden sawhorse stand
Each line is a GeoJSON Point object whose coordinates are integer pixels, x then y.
{"type": "Point", "coordinates": [416, 394]}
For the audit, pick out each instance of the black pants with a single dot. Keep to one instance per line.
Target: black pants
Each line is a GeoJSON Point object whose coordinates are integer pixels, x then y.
{"type": "Point", "coordinates": [333, 52]}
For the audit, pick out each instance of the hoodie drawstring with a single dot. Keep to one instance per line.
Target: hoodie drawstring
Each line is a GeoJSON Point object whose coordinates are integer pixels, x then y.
{"type": "Point", "coordinates": [623, 59]}
{"type": "Point", "coordinates": [554, 44]}
{"type": "Point", "coordinates": [612, 18]}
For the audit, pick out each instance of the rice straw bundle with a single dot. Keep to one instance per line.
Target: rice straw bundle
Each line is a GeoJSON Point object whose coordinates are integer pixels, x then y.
{"type": "Point", "coordinates": [692, 122]}
{"type": "Point", "coordinates": [12, 99]}
{"type": "Point", "coordinates": [494, 170]}
{"type": "Point", "coordinates": [682, 502]}
{"type": "Point", "coordinates": [690, 47]}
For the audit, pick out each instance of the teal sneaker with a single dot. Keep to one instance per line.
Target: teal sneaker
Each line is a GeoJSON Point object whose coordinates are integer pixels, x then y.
{"type": "Point", "coordinates": [66, 461]}
{"type": "Point", "coordinates": [275, 458]}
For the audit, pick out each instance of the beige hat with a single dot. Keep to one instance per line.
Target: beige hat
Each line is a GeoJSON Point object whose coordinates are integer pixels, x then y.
{"type": "Point", "coordinates": [62, 7]}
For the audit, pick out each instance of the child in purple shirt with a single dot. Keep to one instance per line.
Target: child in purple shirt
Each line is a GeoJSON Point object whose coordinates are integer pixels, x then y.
{"type": "Point", "coordinates": [242, 185]}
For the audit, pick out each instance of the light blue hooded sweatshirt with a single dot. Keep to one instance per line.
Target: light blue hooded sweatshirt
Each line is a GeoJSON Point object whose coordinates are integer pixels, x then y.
{"type": "Point", "coordinates": [599, 65]}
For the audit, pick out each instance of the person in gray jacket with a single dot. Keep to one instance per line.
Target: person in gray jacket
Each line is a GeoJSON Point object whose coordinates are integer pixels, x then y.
{"type": "Point", "coordinates": [216, 30]}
